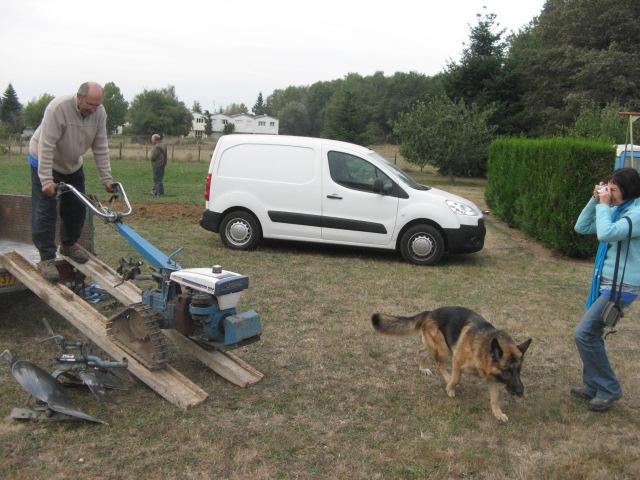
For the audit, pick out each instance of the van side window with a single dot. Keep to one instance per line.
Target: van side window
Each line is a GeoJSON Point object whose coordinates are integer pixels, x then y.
{"type": "Point", "coordinates": [356, 173]}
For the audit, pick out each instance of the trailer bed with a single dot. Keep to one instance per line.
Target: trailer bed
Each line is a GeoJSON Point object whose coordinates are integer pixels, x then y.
{"type": "Point", "coordinates": [15, 234]}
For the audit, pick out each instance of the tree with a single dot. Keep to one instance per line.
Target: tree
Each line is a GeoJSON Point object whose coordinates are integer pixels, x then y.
{"type": "Point", "coordinates": [34, 110]}
{"type": "Point", "coordinates": [448, 135]}
{"type": "Point", "coordinates": [116, 107]}
{"type": "Point", "coordinates": [11, 110]}
{"type": "Point", "coordinates": [575, 55]}
{"type": "Point", "coordinates": [260, 107]}
{"type": "Point", "coordinates": [196, 108]}
{"type": "Point", "coordinates": [294, 119]}
{"type": "Point", "coordinates": [596, 123]}
{"type": "Point", "coordinates": [473, 78]}
{"type": "Point", "coordinates": [208, 126]}
{"type": "Point", "coordinates": [159, 111]}
{"type": "Point", "coordinates": [344, 120]}
{"type": "Point", "coordinates": [236, 109]}
{"type": "Point", "coordinates": [482, 78]}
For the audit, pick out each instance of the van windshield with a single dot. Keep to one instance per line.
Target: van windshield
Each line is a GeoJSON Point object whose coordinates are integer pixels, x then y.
{"type": "Point", "coordinates": [404, 177]}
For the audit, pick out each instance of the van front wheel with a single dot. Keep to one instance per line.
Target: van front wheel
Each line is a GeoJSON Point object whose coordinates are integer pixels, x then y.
{"type": "Point", "coordinates": [422, 245]}
{"type": "Point", "coordinates": [240, 231]}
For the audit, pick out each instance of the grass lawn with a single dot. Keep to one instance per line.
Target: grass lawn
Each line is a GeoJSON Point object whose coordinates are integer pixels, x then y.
{"type": "Point", "coordinates": [338, 401]}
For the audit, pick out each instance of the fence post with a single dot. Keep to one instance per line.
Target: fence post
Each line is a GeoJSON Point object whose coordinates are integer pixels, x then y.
{"type": "Point", "coordinates": [120, 155]}
{"type": "Point", "coordinates": [199, 148]}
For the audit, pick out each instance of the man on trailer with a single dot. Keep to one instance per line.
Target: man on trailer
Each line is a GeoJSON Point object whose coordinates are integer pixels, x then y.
{"type": "Point", "coordinates": [71, 125]}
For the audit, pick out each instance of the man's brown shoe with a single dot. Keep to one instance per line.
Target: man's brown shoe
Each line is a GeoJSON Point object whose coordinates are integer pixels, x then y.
{"type": "Point", "coordinates": [74, 253]}
{"type": "Point", "coordinates": [48, 270]}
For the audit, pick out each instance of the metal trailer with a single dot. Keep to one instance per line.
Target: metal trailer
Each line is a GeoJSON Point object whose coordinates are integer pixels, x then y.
{"type": "Point", "coordinates": [15, 234]}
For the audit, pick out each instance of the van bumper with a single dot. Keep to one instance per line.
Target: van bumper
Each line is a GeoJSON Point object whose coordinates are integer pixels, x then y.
{"type": "Point", "coordinates": [467, 238]}
{"type": "Point", "coordinates": [210, 221]}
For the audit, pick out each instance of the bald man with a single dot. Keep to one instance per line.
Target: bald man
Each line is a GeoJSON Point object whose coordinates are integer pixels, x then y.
{"type": "Point", "coordinates": [71, 125]}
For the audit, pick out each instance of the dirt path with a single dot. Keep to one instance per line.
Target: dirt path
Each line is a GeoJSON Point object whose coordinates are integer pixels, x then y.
{"type": "Point", "coordinates": [166, 211]}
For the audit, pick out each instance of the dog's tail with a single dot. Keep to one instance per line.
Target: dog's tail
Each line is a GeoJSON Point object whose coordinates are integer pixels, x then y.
{"type": "Point", "coordinates": [400, 326]}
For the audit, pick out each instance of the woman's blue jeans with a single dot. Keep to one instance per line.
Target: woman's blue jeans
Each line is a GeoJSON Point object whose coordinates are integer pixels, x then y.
{"type": "Point", "coordinates": [597, 374]}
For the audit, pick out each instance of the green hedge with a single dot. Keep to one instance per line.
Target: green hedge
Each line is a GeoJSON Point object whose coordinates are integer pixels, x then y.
{"type": "Point", "coordinates": [541, 186]}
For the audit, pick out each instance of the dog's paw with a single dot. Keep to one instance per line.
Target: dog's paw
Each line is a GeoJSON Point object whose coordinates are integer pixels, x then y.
{"type": "Point", "coordinates": [502, 417]}
{"type": "Point", "coordinates": [451, 392]}
{"type": "Point", "coordinates": [427, 372]}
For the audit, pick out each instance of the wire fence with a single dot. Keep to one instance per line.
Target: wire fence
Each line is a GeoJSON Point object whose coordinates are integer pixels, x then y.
{"type": "Point", "coordinates": [128, 148]}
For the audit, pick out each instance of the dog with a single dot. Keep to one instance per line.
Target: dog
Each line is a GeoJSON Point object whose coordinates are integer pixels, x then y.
{"type": "Point", "coordinates": [475, 347]}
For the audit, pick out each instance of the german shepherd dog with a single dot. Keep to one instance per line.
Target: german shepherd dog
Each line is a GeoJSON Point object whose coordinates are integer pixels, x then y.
{"type": "Point", "coordinates": [475, 345]}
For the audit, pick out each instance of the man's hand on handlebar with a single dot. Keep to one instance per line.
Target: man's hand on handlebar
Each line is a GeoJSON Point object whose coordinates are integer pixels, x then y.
{"type": "Point", "coordinates": [49, 189]}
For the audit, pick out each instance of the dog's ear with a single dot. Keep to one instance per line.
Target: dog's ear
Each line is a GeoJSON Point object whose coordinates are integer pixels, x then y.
{"type": "Point", "coordinates": [496, 350]}
{"type": "Point", "coordinates": [524, 345]}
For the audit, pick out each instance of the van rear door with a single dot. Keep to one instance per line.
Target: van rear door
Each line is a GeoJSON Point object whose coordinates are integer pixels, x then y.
{"type": "Point", "coordinates": [351, 210]}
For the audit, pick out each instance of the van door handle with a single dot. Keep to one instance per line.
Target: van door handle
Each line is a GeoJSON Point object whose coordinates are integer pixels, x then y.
{"type": "Point", "coordinates": [334, 196]}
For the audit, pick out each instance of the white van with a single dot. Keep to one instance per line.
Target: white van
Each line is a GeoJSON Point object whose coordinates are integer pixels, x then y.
{"type": "Point", "coordinates": [325, 191]}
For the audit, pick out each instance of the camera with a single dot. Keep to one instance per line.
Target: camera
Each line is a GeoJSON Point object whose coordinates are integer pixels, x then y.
{"type": "Point", "coordinates": [601, 188]}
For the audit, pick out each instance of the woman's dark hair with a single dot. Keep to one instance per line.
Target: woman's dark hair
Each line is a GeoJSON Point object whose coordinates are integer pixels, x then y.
{"type": "Point", "coordinates": [628, 180]}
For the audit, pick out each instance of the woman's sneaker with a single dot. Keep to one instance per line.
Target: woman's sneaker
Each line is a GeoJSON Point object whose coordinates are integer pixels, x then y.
{"type": "Point", "coordinates": [48, 270]}
{"type": "Point", "coordinates": [601, 404]}
{"type": "Point", "coordinates": [581, 393]}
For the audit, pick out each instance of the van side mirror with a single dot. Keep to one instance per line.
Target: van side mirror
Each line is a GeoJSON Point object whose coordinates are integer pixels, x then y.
{"type": "Point", "coordinates": [378, 186]}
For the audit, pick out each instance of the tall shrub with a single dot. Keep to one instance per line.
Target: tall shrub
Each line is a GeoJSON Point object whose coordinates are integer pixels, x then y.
{"type": "Point", "coordinates": [541, 186]}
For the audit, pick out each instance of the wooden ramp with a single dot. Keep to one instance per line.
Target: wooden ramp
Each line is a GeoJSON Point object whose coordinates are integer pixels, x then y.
{"type": "Point", "coordinates": [168, 382]}
{"type": "Point", "coordinates": [225, 364]}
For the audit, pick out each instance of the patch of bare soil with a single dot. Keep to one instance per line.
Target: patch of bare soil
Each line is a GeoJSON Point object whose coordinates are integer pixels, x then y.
{"type": "Point", "coordinates": [166, 211]}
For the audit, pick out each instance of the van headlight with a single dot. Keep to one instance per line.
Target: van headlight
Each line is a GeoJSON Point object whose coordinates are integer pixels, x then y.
{"type": "Point", "coordinates": [461, 208]}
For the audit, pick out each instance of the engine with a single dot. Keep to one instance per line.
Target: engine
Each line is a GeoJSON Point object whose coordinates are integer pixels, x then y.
{"type": "Point", "coordinates": [205, 310]}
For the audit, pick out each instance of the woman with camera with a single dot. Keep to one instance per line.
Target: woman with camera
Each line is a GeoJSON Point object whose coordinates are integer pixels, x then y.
{"type": "Point", "coordinates": [613, 200]}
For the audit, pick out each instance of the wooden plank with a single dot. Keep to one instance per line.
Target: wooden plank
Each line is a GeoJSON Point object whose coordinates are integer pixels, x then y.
{"type": "Point", "coordinates": [97, 271]}
{"type": "Point", "coordinates": [168, 382]}
{"type": "Point", "coordinates": [230, 368]}
{"type": "Point", "coordinates": [225, 364]}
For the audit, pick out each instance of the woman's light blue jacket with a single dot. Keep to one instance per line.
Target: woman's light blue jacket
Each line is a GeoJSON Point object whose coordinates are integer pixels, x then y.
{"type": "Point", "coordinates": [596, 218]}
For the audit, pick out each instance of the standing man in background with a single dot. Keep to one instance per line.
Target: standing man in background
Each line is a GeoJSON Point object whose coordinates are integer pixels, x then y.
{"type": "Point", "coordinates": [71, 125]}
{"type": "Point", "coordinates": [158, 157]}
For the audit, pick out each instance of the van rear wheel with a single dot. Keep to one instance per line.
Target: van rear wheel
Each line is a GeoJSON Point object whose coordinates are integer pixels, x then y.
{"type": "Point", "coordinates": [240, 231]}
{"type": "Point", "coordinates": [422, 245]}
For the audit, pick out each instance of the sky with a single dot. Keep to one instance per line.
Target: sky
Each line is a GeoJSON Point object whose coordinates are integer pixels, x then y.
{"type": "Point", "coordinates": [219, 52]}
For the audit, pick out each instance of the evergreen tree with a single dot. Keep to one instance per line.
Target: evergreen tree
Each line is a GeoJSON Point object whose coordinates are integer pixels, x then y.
{"type": "Point", "coordinates": [482, 78]}
{"type": "Point", "coordinates": [577, 54]}
{"type": "Point", "coordinates": [11, 111]}
{"type": "Point", "coordinates": [259, 108]}
{"type": "Point", "coordinates": [196, 108]}
{"type": "Point", "coordinates": [208, 126]}
{"type": "Point", "coordinates": [344, 119]}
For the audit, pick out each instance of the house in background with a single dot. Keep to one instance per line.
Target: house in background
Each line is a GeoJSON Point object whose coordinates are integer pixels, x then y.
{"type": "Point", "coordinates": [243, 123]}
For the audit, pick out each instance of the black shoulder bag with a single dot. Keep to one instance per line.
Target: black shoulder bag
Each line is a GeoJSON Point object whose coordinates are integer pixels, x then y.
{"type": "Point", "coordinates": [613, 310]}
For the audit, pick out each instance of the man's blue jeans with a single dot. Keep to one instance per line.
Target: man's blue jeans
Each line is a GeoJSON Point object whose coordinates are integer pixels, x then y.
{"type": "Point", "coordinates": [44, 211]}
{"type": "Point", "coordinates": [597, 374]}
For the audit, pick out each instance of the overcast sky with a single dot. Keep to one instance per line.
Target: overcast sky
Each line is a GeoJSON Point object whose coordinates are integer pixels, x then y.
{"type": "Point", "coordinates": [228, 51]}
